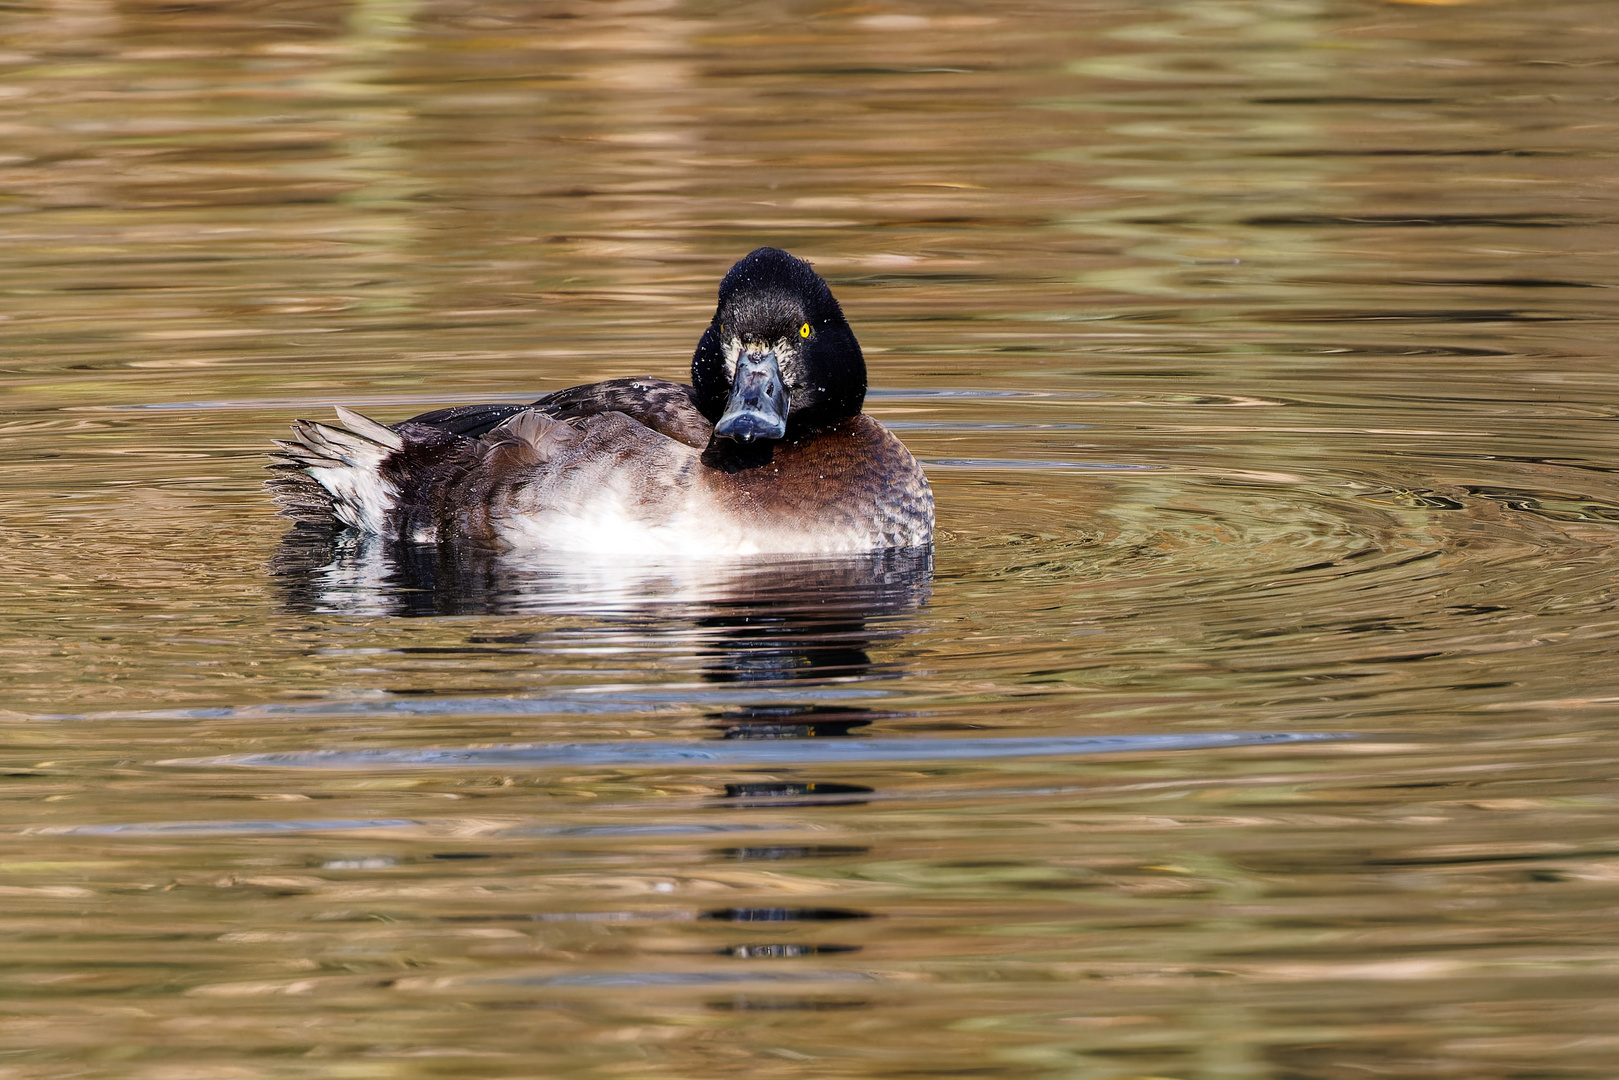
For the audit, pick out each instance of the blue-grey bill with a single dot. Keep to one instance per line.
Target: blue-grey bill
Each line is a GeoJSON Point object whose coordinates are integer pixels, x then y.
{"type": "Point", "coordinates": [757, 407]}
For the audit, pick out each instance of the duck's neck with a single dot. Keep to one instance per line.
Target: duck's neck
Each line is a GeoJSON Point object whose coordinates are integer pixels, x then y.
{"type": "Point", "coordinates": [731, 456]}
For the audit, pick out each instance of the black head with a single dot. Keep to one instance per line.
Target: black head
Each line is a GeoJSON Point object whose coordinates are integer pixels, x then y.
{"type": "Point", "coordinates": [778, 359]}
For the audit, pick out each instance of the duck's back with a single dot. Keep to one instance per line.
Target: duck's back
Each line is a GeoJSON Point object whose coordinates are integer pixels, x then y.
{"type": "Point", "coordinates": [606, 483]}
{"type": "Point", "coordinates": [603, 483]}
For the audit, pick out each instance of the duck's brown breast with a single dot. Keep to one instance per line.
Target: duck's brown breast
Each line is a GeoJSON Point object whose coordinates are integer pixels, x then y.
{"type": "Point", "coordinates": [850, 487]}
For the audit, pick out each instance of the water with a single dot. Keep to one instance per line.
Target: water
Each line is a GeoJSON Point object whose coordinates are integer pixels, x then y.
{"type": "Point", "coordinates": [1254, 718]}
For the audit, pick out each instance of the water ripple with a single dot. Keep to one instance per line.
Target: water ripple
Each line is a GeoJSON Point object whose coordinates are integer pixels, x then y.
{"type": "Point", "coordinates": [764, 752]}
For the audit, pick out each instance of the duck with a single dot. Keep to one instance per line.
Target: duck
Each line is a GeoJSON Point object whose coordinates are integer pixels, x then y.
{"type": "Point", "coordinates": [766, 452]}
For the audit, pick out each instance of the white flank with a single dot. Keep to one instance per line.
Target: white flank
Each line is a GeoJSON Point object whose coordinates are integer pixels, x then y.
{"type": "Point", "coordinates": [610, 525]}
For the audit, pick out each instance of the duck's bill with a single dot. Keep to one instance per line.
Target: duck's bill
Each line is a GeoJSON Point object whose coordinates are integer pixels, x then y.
{"type": "Point", "coordinates": [757, 407]}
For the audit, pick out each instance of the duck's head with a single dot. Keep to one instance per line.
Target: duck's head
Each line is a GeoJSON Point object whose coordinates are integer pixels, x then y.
{"type": "Point", "coordinates": [778, 357]}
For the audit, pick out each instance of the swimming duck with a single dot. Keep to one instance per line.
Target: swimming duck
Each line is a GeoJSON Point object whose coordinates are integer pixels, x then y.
{"type": "Point", "coordinates": [766, 452]}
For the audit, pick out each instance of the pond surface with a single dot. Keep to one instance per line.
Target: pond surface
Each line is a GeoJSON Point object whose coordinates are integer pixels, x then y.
{"type": "Point", "coordinates": [1254, 718]}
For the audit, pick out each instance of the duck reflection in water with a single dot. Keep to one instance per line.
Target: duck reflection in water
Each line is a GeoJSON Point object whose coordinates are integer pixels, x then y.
{"type": "Point", "coordinates": [788, 621]}
{"type": "Point", "coordinates": [797, 623]}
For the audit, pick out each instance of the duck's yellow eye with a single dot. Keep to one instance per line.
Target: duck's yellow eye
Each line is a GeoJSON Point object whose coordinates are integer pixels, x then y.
{"type": "Point", "coordinates": [803, 331]}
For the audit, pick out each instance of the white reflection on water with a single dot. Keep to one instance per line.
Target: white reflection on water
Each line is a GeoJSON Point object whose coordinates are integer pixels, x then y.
{"type": "Point", "coordinates": [346, 572]}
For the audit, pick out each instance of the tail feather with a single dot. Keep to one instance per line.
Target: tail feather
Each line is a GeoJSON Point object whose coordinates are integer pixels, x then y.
{"type": "Point", "coordinates": [301, 499]}
{"type": "Point", "coordinates": [328, 473]}
{"type": "Point", "coordinates": [366, 428]}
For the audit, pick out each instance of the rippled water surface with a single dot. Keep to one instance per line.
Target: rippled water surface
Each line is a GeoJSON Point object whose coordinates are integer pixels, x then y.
{"type": "Point", "coordinates": [1253, 718]}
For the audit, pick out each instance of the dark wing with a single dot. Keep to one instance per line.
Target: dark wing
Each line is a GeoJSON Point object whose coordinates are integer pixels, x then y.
{"type": "Point", "coordinates": [469, 420]}
{"type": "Point", "coordinates": [666, 407]}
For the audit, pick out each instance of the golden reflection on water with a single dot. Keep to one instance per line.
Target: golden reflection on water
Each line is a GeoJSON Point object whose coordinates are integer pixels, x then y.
{"type": "Point", "coordinates": [1260, 357]}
